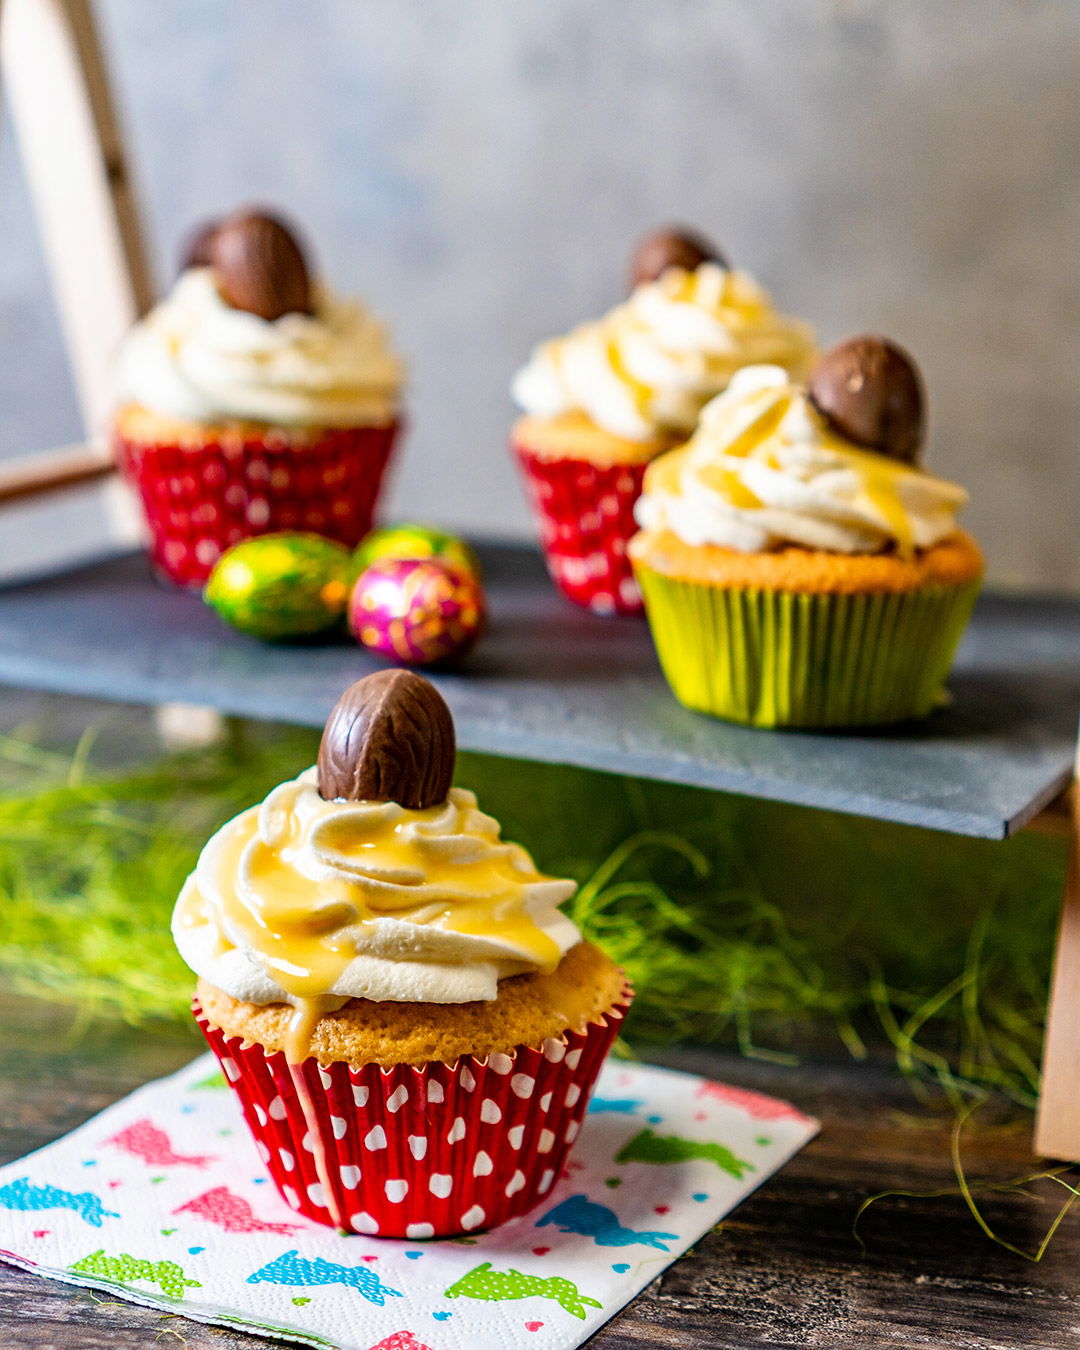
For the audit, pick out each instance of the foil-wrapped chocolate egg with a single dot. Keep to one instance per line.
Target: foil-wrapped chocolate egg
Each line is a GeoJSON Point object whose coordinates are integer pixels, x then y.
{"type": "Point", "coordinates": [281, 585]}
{"type": "Point", "coordinates": [417, 611]}
{"type": "Point", "coordinates": [414, 541]}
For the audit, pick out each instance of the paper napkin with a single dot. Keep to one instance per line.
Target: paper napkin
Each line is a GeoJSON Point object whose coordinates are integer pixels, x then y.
{"type": "Point", "coordinates": [162, 1200]}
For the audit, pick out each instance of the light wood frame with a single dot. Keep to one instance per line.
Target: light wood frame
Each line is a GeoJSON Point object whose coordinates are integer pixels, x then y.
{"type": "Point", "coordinates": [54, 77]}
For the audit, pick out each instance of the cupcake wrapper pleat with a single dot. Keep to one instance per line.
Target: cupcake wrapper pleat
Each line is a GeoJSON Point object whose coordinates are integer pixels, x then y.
{"type": "Point", "coordinates": [775, 658]}
{"type": "Point", "coordinates": [199, 500]}
{"type": "Point", "coordinates": [417, 1151]}
{"type": "Point", "coordinates": [586, 518]}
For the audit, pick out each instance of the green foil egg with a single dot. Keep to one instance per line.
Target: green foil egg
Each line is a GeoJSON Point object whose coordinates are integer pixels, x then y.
{"type": "Point", "coordinates": [281, 585]}
{"type": "Point", "coordinates": [413, 542]}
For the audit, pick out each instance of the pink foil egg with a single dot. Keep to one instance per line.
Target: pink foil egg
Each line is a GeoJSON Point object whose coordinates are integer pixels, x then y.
{"type": "Point", "coordinates": [418, 611]}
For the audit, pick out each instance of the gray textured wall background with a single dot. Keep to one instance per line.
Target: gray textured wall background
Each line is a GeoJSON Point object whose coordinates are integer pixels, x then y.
{"type": "Point", "coordinates": [477, 169]}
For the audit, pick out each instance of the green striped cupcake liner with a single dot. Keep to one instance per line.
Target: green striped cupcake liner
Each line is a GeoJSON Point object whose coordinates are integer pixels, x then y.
{"type": "Point", "coordinates": [782, 659]}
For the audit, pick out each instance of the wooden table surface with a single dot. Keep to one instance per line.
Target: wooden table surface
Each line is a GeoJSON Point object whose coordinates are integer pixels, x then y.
{"type": "Point", "coordinates": [785, 1270]}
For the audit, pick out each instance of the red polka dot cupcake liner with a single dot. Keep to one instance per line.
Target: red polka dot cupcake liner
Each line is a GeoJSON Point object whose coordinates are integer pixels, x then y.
{"type": "Point", "coordinates": [201, 499]}
{"type": "Point", "coordinates": [427, 1151]}
{"type": "Point", "coordinates": [586, 516]}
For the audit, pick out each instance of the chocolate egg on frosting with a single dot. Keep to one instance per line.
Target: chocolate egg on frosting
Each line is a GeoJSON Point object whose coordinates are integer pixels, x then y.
{"type": "Point", "coordinates": [389, 738]}
{"type": "Point", "coordinates": [869, 391]}
{"type": "Point", "coordinates": [671, 246]}
{"type": "Point", "coordinates": [197, 250]}
{"type": "Point", "coordinates": [259, 265]}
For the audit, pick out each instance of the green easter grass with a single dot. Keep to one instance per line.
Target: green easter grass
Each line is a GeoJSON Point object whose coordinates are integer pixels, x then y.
{"type": "Point", "coordinates": [742, 923]}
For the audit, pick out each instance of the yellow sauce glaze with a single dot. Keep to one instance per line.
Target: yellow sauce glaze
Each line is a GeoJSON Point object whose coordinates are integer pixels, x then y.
{"type": "Point", "coordinates": [305, 932]}
{"type": "Point", "coordinates": [879, 477]}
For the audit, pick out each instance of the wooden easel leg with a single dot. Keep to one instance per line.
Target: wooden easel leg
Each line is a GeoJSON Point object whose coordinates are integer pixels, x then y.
{"type": "Point", "coordinates": [1057, 1129]}
{"type": "Point", "coordinates": [56, 87]}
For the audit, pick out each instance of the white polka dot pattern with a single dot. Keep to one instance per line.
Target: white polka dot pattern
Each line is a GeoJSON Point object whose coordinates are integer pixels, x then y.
{"type": "Point", "coordinates": [200, 499]}
{"type": "Point", "coordinates": [436, 1150]}
{"type": "Point", "coordinates": [586, 515]}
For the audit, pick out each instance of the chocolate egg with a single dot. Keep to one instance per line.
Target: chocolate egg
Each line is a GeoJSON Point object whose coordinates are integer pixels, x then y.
{"type": "Point", "coordinates": [389, 738]}
{"type": "Point", "coordinates": [869, 391]}
{"type": "Point", "coordinates": [414, 541]}
{"type": "Point", "coordinates": [281, 585]}
{"type": "Point", "coordinates": [672, 246]}
{"type": "Point", "coordinates": [259, 266]}
{"type": "Point", "coordinates": [197, 250]}
{"type": "Point", "coordinates": [419, 611]}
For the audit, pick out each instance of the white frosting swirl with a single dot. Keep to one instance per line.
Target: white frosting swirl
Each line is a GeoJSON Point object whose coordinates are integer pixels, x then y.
{"type": "Point", "coordinates": [301, 898]}
{"type": "Point", "coordinates": [195, 358]}
{"type": "Point", "coordinates": [649, 365]}
{"type": "Point", "coordinates": [764, 470]}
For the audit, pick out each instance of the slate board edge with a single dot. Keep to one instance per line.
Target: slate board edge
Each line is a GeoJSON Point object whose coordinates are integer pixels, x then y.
{"type": "Point", "coordinates": [476, 736]}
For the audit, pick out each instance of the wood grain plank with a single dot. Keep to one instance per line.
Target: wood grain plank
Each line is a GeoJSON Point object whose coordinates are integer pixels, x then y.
{"type": "Point", "coordinates": [785, 1271]}
{"type": "Point", "coordinates": [1057, 1133]}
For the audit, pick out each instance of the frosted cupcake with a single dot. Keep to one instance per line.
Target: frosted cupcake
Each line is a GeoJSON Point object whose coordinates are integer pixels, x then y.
{"type": "Point", "coordinates": [602, 402]}
{"type": "Point", "coordinates": [251, 400]}
{"type": "Point", "coordinates": [799, 567]}
{"type": "Point", "coordinates": [410, 1023]}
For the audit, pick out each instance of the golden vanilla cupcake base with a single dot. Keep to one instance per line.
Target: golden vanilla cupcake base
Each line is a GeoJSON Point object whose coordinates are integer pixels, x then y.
{"type": "Point", "coordinates": [801, 638]}
{"type": "Point", "coordinates": [576, 437]}
{"type": "Point", "coordinates": [529, 1010]}
{"type": "Point", "coordinates": [953, 562]}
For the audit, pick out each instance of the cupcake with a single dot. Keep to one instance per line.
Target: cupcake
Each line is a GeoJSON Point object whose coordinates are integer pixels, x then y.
{"type": "Point", "coordinates": [410, 1023]}
{"type": "Point", "coordinates": [799, 567]}
{"type": "Point", "coordinates": [251, 400]}
{"type": "Point", "coordinates": [602, 402]}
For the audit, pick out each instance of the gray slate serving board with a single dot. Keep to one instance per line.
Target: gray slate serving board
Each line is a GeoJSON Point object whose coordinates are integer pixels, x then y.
{"type": "Point", "coordinates": [551, 682]}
